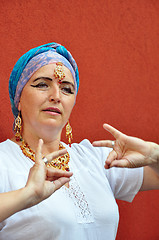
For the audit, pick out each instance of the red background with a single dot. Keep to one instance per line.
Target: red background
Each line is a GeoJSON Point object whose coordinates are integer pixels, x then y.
{"type": "Point", "coordinates": [116, 46]}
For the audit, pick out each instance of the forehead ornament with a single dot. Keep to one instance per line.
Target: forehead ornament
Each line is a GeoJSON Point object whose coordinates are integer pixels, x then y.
{"type": "Point", "coordinates": [58, 72]}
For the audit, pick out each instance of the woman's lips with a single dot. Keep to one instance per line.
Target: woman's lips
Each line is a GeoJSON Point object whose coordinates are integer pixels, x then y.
{"type": "Point", "coordinates": [52, 111]}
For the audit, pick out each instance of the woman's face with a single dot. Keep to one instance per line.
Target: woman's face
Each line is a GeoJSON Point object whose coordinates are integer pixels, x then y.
{"type": "Point", "coordinates": [46, 102]}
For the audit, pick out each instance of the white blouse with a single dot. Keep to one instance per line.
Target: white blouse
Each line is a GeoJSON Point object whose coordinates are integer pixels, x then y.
{"type": "Point", "coordinates": [87, 210]}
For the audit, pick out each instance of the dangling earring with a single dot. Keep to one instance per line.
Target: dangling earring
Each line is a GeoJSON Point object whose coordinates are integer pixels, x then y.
{"type": "Point", "coordinates": [69, 133]}
{"type": "Point", "coordinates": [18, 128]}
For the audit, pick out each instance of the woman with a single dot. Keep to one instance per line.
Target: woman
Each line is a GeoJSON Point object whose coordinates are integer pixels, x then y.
{"type": "Point", "coordinates": [43, 88]}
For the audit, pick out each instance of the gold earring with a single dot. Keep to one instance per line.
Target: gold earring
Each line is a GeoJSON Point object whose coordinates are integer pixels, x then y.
{"type": "Point", "coordinates": [69, 133]}
{"type": "Point", "coordinates": [18, 128]}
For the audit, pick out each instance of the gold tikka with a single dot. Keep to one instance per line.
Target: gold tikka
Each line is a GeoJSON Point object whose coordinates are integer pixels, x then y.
{"type": "Point", "coordinates": [58, 72]}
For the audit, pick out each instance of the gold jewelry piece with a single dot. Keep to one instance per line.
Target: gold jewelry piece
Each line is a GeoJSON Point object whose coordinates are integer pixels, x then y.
{"type": "Point", "coordinates": [69, 133]}
{"type": "Point", "coordinates": [18, 128]}
{"type": "Point", "coordinates": [58, 72]}
{"type": "Point", "coordinates": [60, 162]}
{"type": "Point", "coordinates": [27, 151]}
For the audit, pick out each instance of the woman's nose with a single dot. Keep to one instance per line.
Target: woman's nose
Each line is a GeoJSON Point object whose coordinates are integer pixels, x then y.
{"type": "Point", "coordinates": [54, 94]}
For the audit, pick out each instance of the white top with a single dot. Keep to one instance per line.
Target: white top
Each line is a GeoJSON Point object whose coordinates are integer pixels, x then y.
{"type": "Point", "coordinates": [85, 211]}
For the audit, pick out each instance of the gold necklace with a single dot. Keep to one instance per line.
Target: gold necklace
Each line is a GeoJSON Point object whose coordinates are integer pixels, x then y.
{"type": "Point", "coordinates": [60, 162]}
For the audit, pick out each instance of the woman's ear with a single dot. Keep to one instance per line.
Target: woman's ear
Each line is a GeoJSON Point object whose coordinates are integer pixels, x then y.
{"type": "Point", "coordinates": [19, 108]}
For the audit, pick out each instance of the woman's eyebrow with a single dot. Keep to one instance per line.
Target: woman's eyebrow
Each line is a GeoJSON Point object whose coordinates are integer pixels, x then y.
{"type": "Point", "coordinates": [44, 78]}
{"type": "Point", "coordinates": [68, 83]}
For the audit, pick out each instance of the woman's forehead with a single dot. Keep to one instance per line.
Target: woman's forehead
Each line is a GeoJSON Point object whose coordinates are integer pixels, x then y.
{"type": "Point", "coordinates": [49, 70]}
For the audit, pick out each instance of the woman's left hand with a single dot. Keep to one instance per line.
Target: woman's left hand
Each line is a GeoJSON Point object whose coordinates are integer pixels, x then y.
{"type": "Point", "coordinates": [130, 152]}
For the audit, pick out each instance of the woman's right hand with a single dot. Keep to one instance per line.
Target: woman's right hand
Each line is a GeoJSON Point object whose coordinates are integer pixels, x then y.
{"type": "Point", "coordinates": [44, 181]}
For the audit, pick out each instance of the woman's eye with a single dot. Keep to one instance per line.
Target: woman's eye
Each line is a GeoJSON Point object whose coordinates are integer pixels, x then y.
{"type": "Point", "coordinates": [40, 85]}
{"type": "Point", "coordinates": [67, 89]}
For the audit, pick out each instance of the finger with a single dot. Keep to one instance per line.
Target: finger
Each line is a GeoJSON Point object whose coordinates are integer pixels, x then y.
{"type": "Point", "coordinates": [56, 173]}
{"type": "Point", "coordinates": [102, 143]}
{"type": "Point", "coordinates": [55, 154]}
{"type": "Point", "coordinates": [122, 163]}
{"type": "Point", "coordinates": [53, 178]}
{"type": "Point", "coordinates": [60, 182]}
{"type": "Point", "coordinates": [111, 157]}
{"type": "Point", "coordinates": [38, 154]}
{"type": "Point", "coordinates": [116, 133]}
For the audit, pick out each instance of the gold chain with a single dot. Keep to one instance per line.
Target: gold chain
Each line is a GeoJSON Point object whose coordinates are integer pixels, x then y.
{"type": "Point", "coordinates": [60, 162]}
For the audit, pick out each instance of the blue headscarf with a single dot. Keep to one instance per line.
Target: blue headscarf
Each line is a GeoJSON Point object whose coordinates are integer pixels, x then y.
{"type": "Point", "coordinates": [24, 60]}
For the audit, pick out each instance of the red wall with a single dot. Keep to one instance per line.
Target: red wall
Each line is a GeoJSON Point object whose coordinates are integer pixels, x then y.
{"type": "Point", "coordinates": [116, 46]}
